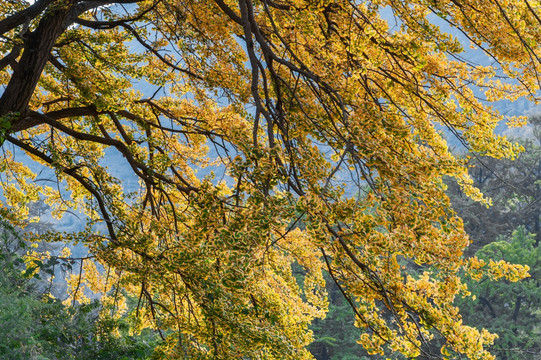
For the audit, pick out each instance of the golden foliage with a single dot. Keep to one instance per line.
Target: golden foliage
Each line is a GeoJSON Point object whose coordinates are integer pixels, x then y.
{"type": "Point", "coordinates": [273, 141]}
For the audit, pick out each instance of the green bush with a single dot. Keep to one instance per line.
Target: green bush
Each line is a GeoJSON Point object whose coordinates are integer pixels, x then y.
{"type": "Point", "coordinates": [34, 326]}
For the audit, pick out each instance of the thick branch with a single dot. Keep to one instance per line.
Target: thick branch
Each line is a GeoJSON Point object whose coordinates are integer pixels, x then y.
{"type": "Point", "coordinates": [143, 171]}
{"type": "Point", "coordinates": [32, 120]}
{"type": "Point", "coordinates": [23, 16]}
{"type": "Point", "coordinates": [10, 59]}
{"type": "Point", "coordinates": [102, 25]}
{"type": "Point", "coordinates": [37, 48]}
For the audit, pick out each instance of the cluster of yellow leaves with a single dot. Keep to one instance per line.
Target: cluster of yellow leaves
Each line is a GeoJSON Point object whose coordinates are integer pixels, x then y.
{"type": "Point", "coordinates": [17, 183]}
{"type": "Point", "coordinates": [477, 268]}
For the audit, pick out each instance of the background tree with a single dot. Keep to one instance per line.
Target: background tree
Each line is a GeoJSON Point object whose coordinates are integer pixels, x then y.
{"type": "Point", "coordinates": [514, 190]}
{"type": "Point", "coordinates": [335, 337]}
{"type": "Point", "coordinates": [508, 230]}
{"type": "Point", "coordinates": [509, 309]}
{"type": "Point", "coordinates": [293, 98]}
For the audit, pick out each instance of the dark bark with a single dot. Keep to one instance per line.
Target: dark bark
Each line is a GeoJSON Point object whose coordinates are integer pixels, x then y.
{"type": "Point", "coordinates": [537, 209]}
{"type": "Point", "coordinates": [11, 22]}
{"type": "Point", "coordinates": [517, 308]}
{"type": "Point", "coordinates": [536, 230]}
{"type": "Point", "coordinates": [484, 301]}
{"type": "Point", "coordinates": [36, 51]}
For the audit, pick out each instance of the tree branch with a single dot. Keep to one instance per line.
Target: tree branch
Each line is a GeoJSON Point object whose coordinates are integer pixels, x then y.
{"type": "Point", "coordinates": [23, 16]}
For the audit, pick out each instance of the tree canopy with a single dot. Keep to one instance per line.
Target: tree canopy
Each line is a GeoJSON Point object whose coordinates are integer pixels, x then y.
{"type": "Point", "coordinates": [269, 138]}
{"type": "Point", "coordinates": [510, 309]}
{"type": "Point", "coordinates": [513, 187]}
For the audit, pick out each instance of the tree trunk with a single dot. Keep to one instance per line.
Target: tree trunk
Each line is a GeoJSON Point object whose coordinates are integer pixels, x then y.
{"type": "Point", "coordinates": [36, 51]}
{"type": "Point", "coordinates": [517, 308]}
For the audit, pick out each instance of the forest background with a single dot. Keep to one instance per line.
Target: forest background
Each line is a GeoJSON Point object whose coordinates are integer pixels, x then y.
{"type": "Point", "coordinates": [292, 158]}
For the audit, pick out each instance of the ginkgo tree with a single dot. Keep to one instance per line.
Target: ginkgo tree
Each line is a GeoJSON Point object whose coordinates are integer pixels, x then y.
{"type": "Point", "coordinates": [318, 126]}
